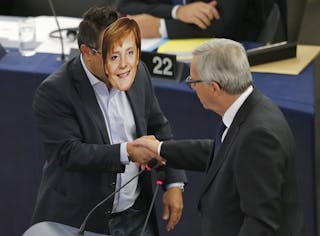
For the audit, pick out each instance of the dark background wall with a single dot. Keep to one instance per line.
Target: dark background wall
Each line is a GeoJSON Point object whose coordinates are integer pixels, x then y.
{"type": "Point", "coordinates": [74, 8]}
{"type": "Point", "coordinates": [295, 13]}
{"type": "Point", "coordinates": [309, 30]}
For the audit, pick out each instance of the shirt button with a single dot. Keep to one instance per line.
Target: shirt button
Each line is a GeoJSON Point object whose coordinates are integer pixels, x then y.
{"type": "Point", "coordinates": [107, 212]}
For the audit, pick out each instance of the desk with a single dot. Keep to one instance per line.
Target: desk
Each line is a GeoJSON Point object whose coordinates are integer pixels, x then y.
{"type": "Point", "coordinates": [21, 152]}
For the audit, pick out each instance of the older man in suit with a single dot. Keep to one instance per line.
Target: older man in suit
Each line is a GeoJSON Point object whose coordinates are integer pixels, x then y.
{"type": "Point", "coordinates": [250, 182]}
{"type": "Point", "coordinates": [88, 112]}
{"type": "Point", "coordinates": [234, 19]}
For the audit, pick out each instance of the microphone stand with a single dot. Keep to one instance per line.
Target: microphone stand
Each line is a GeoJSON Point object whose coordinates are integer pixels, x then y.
{"type": "Point", "coordinates": [83, 225]}
{"type": "Point", "coordinates": [62, 57]}
{"type": "Point", "coordinates": [159, 182]}
{"type": "Point", "coordinates": [149, 166]}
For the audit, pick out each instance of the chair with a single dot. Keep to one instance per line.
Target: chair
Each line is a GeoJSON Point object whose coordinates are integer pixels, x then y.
{"type": "Point", "coordinates": [272, 30]}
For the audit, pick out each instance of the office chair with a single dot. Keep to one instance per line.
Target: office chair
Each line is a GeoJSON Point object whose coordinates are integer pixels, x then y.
{"type": "Point", "coordinates": [272, 30]}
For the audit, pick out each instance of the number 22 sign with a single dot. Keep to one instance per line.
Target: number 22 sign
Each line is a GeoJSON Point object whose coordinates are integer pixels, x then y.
{"type": "Point", "coordinates": [160, 65]}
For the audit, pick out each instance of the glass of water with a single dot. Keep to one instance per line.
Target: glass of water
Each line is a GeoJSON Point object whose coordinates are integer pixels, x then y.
{"type": "Point", "coordinates": [27, 37]}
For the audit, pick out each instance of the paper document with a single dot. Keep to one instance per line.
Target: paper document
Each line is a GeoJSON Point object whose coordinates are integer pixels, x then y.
{"type": "Point", "coordinates": [182, 48]}
{"type": "Point", "coordinates": [149, 45]}
{"type": "Point", "coordinates": [292, 66]}
{"type": "Point", "coordinates": [45, 25]}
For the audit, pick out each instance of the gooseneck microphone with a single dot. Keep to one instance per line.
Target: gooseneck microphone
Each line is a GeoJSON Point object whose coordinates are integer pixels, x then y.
{"type": "Point", "coordinates": [151, 164]}
{"type": "Point", "coordinates": [161, 178]}
{"type": "Point", "coordinates": [62, 56]}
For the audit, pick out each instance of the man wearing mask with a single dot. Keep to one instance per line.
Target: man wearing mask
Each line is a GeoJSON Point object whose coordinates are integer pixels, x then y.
{"type": "Point", "coordinates": [88, 113]}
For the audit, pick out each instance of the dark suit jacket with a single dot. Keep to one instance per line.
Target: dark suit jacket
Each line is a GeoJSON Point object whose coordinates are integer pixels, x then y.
{"type": "Point", "coordinates": [240, 19]}
{"type": "Point", "coordinates": [81, 165]}
{"type": "Point", "coordinates": [250, 186]}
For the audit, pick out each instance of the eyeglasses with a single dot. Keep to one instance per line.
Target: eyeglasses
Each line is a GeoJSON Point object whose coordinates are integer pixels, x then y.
{"type": "Point", "coordinates": [95, 51]}
{"type": "Point", "coordinates": [189, 81]}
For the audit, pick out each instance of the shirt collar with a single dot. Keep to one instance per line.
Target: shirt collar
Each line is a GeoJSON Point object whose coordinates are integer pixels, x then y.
{"type": "Point", "coordinates": [233, 109]}
{"type": "Point", "coordinates": [93, 80]}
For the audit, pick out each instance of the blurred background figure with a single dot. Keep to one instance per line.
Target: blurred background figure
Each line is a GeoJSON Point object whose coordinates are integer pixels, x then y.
{"type": "Point", "coordinates": [234, 19]}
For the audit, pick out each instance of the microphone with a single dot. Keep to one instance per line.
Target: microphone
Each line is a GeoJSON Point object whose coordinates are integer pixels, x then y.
{"type": "Point", "coordinates": [71, 33]}
{"type": "Point", "coordinates": [151, 164]}
{"type": "Point", "coordinates": [62, 56]}
{"type": "Point", "coordinates": [161, 178]}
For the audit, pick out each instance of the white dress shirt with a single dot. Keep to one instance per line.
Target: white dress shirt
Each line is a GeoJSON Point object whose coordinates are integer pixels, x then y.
{"type": "Point", "coordinates": [121, 128]}
{"type": "Point", "coordinates": [231, 112]}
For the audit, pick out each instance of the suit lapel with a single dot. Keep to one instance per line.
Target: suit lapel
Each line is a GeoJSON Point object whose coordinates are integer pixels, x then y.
{"type": "Point", "coordinates": [217, 161]}
{"type": "Point", "coordinates": [88, 97]}
{"type": "Point", "coordinates": [135, 99]}
{"type": "Point", "coordinates": [226, 146]}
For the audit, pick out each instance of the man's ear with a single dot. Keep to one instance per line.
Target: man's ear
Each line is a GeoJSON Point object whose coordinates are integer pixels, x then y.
{"type": "Point", "coordinates": [84, 49]}
{"type": "Point", "coordinates": [215, 88]}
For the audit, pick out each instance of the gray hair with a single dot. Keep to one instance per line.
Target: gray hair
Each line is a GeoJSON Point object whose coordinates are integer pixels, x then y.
{"type": "Point", "coordinates": [225, 62]}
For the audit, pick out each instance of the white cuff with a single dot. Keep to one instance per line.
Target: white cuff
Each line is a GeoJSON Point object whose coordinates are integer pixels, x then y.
{"type": "Point", "coordinates": [159, 148]}
{"type": "Point", "coordinates": [163, 29]}
{"type": "Point", "coordinates": [176, 185]}
{"type": "Point", "coordinates": [174, 12]}
{"type": "Point", "coordinates": [124, 156]}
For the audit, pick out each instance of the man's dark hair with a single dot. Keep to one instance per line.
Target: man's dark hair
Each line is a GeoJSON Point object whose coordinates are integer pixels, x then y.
{"type": "Point", "coordinates": [95, 20]}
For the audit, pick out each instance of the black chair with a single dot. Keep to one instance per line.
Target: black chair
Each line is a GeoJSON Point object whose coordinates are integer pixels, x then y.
{"type": "Point", "coordinates": [272, 30]}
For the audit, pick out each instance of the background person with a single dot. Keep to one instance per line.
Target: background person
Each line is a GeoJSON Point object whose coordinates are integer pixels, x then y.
{"type": "Point", "coordinates": [235, 19]}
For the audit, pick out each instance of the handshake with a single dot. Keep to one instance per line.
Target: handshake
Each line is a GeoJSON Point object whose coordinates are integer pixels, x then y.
{"type": "Point", "coordinates": [143, 149]}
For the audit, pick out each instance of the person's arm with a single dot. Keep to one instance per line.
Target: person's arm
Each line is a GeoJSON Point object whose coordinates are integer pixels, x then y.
{"type": "Point", "coordinates": [231, 14]}
{"type": "Point", "coordinates": [134, 7]}
{"type": "Point", "coordinates": [201, 14]}
{"type": "Point", "coordinates": [189, 154]}
{"type": "Point", "coordinates": [65, 139]}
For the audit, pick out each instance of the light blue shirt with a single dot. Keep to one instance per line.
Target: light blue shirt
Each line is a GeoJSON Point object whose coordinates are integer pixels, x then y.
{"type": "Point", "coordinates": [121, 128]}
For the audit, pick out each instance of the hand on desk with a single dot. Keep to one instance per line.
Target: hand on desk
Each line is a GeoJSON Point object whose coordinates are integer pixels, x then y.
{"type": "Point", "coordinates": [198, 13]}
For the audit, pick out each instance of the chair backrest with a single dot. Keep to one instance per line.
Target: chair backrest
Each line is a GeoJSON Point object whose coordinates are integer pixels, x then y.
{"type": "Point", "coordinates": [272, 30]}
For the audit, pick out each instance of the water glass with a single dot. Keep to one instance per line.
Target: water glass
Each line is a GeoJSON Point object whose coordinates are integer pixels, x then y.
{"type": "Point", "coordinates": [27, 37]}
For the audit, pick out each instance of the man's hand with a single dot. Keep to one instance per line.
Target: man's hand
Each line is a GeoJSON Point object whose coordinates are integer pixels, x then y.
{"type": "Point", "coordinates": [149, 25]}
{"type": "Point", "coordinates": [172, 207]}
{"type": "Point", "coordinates": [149, 142]}
{"type": "Point", "coordinates": [139, 154]}
{"type": "Point", "coordinates": [198, 13]}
